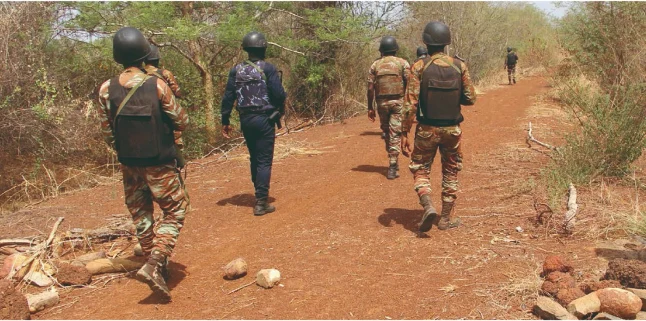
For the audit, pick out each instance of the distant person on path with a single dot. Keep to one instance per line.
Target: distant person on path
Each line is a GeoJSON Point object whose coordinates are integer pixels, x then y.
{"type": "Point", "coordinates": [422, 53]}
{"type": "Point", "coordinates": [387, 80]}
{"type": "Point", "coordinates": [510, 65]}
{"type": "Point", "coordinates": [438, 86]}
{"type": "Point", "coordinates": [257, 88]}
{"type": "Point", "coordinates": [152, 69]}
{"type": "Point", "coordinates": [138, 115]}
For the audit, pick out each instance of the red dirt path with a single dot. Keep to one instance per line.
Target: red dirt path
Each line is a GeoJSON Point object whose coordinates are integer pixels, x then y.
{"type": "Point", "coordinates": [343, 236]}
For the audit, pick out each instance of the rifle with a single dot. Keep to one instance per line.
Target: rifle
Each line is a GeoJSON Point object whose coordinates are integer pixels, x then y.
{"type": "Point", "coordinates": [275, 116]}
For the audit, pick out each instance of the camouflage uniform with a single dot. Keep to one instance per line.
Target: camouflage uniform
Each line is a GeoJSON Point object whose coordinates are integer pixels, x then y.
{"type": "Point", "coordinates": [169, 78]}
{"type": "Point", "coordinates": [511, 68]}
{"type": "Point", "coordinates": [389, 108]}
{"type": "Point", "coordinates": [429, 138]}
{"type": "Point", "coordinates": [143, 185]}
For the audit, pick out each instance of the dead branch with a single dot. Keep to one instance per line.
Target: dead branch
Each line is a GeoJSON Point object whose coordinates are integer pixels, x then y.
{"type": "Point", "coordinates": [572, 207]}
{"type": "Point", "coordinates": [41, 250]}
{"type": "Point", "coordinates": [241, 287]}
{"type": "Point", "coordinates": [285, 48]}
{"type": "Point", "coordinates": [530, 138]}
{"type": "Point", "coordinates": [9, 242]}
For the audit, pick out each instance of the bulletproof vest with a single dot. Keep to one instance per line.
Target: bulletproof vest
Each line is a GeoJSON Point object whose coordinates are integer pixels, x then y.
{"type": "Point", "coordinates": [143, 133]}
{"type": "Point", "coordinates": [439, 94]}
{"type": "Point", "coordinates": [251, 86]}
{"type": "Point", "coordinates": [389, 78]}
{"type": "Point", "coordinates": [511, 59]}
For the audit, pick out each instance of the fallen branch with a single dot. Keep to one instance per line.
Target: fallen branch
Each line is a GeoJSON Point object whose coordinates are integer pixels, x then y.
{"type": "Point", "coordinates": [9, 242]}
{"type": "Point", "coordinates": [242, 287]}
{"type": "Point", "coordinates": [572, 207]}
{"type": "Point", "coordinates": [41, 250]}
{"type": "Point", "coordinates": [530, 138]}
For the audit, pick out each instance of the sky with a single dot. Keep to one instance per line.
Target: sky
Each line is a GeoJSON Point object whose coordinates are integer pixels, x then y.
{"type": "Point", "coordinates": [554, 8]}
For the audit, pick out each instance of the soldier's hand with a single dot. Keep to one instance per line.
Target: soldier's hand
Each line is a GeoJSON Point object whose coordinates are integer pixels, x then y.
{"type": "Point", "coordinates": [226, 131]}
{"type": "Point", "coordinates": [405, 145]}
{"type": "Point", "coordinates": [371, 115]}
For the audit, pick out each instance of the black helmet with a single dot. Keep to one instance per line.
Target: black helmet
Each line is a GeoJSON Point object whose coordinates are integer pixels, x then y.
{"type": "Point", "coordinates": [508, 49]}
{"type": "Point", "coordinates": [154, 53]}
{"type": "Point", "coordinates": [436, 34]}
{"type": "Point", "coordinates": [388, 44]}
{"type": "Point", "coordinates": [254, 39]}
{"type": "Point", "coordinates": [421, 50]}
{"type": "Point", "coordinates": [129, 45]}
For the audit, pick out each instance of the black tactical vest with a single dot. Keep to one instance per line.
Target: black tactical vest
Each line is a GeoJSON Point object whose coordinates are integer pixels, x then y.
{"type": "Point", "coordinates": [143, 133]}
{"type": "Point", "coordinates": [511, 59]}
{"type": "Point", "coordinates": [439, 94]}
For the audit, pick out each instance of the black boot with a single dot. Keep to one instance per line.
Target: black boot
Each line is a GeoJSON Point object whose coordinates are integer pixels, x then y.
{"type": "Point", "coordinates": [152, 273]}
{"type": "Point", "coordinates": [446, 222]}
{"type": "Point", "coordinates": [430, 213]}
{"type": "Point", "coordinates": [514, 80]}
{"type": "Point", "coordinates": [262, 207]}
{"type": "Point", "coordinates": [393, 171]}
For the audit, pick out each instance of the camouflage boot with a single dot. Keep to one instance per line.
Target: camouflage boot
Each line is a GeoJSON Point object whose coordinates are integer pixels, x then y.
{"type": "Point", "coordinates": [430, 213]}
{"type": "Point", "coordinates": [152, 273]}
{"type": "Point", "coordinates": [262, 207]}
{"type": "Point", "coordinates": [446, 222]}
{"type": "Point", "coordinates": [393, 171]}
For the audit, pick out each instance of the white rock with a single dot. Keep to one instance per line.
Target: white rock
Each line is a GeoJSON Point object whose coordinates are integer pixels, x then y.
{"type": "Point", "coordinates": [585, 305]}
{"type": "Point", "coordinates": [268, 278]}
{"type": "Point", "coordinates": [41, 301]}
{"type": "Point", "coordinates": [39, 279]}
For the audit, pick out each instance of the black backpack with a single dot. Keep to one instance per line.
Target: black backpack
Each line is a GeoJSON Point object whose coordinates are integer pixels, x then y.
{"type": "Point", "coordinates": [511, 59]}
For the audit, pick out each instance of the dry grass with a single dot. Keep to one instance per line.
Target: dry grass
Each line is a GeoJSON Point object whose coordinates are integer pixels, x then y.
{"type": "Point", "coordinates": [285, 148]}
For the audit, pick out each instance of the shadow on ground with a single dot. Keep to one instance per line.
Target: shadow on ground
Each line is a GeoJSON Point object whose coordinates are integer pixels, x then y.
{"type": "Point", "coordinates": [370, 133]}
{"type": "Point", "coordinates": [408, 219]}
{"type": "Point", "coordinates": [383, 170]}
{"type": "Point", "coordinates": [247, 200]}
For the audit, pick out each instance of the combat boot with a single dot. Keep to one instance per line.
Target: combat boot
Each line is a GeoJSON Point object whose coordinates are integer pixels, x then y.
{"type": "Point", "coordinates": [514, 80]}
{"type": "Point", "coordinates": [446, 222]}
{"type": "Point", "coordinates": [152, 273]}
{"type": "Point", "coordinates": [393, 171]}
{"type": "Point", "coordinates": [430, 213]}
{"type": "Point", "coordinates": [262, 207]}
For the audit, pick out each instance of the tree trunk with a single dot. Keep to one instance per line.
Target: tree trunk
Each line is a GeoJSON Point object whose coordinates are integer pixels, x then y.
{"type": "Point", "coordinates": [209, 113]}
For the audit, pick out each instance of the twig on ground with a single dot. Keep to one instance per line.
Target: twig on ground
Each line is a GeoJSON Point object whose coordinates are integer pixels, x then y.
{"type": "Point", "coordinates": [572, 207]}
{"type": "Point", "coordinates": [530, 138]}
{"type": "Point", "coordinates": [241, 287]}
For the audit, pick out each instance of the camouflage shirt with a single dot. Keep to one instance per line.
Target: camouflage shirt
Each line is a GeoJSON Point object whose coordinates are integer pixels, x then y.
{"type": "Point", "coordinates": [411, 99]}
{"type": "Point", "coordinates": [389, 64]}
{"type": "Point", "coordinates": [129, 78]}
{"type": "Point", "coordinates": [167, 76]}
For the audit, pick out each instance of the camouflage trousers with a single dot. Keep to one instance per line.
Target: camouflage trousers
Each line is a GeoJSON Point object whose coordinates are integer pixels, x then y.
{"type": "Point", "coordinates": [162, 184]}
{"type": "Point", "coordinates": [427, 141]}
{"type": "Point", "coordinates": [511, 72]}
{"type": "Point", "coordinates": [390, 119]}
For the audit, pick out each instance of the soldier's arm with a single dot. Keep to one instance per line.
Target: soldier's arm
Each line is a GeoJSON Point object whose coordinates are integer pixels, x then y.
{"type": "Point", "coordinates": [411, 98]}
{"type": "Point", "coordinates": [104, 115]}
{"type": "Point", "coordinates": [277, 93]}
{"type": "Point", "coordinates": [229, 97]}
{"type": "Point", "coordinates": [371, 86]}
{"type": "Point", "coordinates": [171, 107]}
{"type": "Point", "coordinates": [172, 82]}
{"type": "Point", "coordinates": [468, 96]}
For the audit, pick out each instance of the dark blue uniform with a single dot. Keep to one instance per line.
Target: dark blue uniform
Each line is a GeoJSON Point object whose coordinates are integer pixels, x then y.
{"type": "Point", "coordinates": [258, 130]}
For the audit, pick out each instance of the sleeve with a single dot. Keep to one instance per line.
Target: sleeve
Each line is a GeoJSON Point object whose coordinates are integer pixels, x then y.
{"type": "Point", "coordinates": [171, 107]}
{"type": "Point", "coordinates": [411, 98]}
{"type": "Point", "coordinates": [372, 73]}
{"type": "Point", "coordinates": [229, 97]}
{"type": "Point", "coordinates": [468, 96]}
{"type": "Point", "coordinates": [172, 82]}
{"type": "Point", "coordinates": [277, 94]}
{"type": "Point", "coordinates": [104, 114]}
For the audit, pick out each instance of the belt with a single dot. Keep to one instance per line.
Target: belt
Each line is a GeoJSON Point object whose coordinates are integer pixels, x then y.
{"type": "Point", "coordinates": [254, 111]}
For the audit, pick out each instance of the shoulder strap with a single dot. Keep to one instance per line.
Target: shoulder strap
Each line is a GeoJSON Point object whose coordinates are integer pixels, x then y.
{"type": "Point", "coordinates": [262, 73]}
{"type": "Point", "coordinates": [130, 93]}
{"type": "Point", "coordinates": [451, 64]}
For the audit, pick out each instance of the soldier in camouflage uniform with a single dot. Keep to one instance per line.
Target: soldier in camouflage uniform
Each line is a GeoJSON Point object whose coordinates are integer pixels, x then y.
{"type": "Point", "coordinates": [438, 86]}
{"type": "Point", "coordinates": [510, 65]}
{"type": "Point", "coordinates": [138, 114]}
{"type": "Point", "coordinates": [386, 82]}
{"type": "Point", "coordinates": [152, 69]}
{"type": "Point", "coordinates": [422, 53]}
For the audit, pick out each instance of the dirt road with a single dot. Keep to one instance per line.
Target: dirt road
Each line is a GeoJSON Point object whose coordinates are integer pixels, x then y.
{"type": "Point", "coordinates": [344, 237]}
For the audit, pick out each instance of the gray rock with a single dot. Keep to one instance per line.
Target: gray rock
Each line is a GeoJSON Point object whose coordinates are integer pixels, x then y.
{"type": "Point", "coordinates": [549, 309]}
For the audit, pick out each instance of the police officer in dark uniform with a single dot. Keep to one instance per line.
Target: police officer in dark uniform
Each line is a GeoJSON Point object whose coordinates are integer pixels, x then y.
{"type": "Point", "coordinates": [256, 87]}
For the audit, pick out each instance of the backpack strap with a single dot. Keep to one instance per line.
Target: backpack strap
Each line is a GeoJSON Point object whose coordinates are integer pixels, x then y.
{"type": "Point", "coordinates": [130, 93]}
{"type": "Point", "coordinates": [444, 60]}
{"type": "Point", "coordinates": [262, 73]}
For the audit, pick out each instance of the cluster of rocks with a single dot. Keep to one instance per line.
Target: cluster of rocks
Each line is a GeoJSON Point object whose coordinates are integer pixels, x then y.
{"type": "Point", "coordinates": [618, 295]}
{"type": "Point", "coordinates": [266, 278]}
{"type": "Point", "coordinates": [75, 272]}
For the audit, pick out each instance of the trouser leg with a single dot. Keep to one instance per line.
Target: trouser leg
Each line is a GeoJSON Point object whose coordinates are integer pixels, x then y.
{"type": "Point", "coordinates": [424, 151]}
{"type": "Point", "coordinates": [169, 192]}
{"type": "Point", "coordinates": [138, 199]}
{"type": "Point", "coordinates": [451, 155]}
{"type": "Point", "coordinates": [265, 156]}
